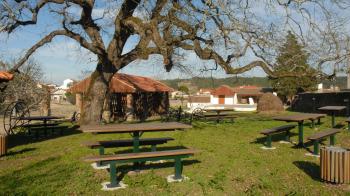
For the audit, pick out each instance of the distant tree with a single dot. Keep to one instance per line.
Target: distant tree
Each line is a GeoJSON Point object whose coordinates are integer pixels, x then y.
{"type": "Point", "coordinates": [25, 85]}
{"type": "Point", "coordinates": [184, 89]}
{"type": "Point", "coordinates": [293, 58]}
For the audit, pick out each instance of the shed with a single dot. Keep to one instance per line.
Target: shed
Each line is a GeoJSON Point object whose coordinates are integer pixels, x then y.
{"type": "Point", "coordinates": [140, 96]}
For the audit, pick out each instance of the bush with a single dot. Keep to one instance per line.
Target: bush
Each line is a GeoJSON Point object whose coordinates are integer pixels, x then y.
{"type": "Point", "coordinates": [270, 103]}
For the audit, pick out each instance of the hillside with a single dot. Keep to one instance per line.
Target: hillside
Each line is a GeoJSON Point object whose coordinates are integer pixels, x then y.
{"type": "Point", "coordinates": [238, 81]}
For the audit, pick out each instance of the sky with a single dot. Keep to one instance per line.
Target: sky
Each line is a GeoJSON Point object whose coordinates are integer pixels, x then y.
{"type": "Point", "coordinates": [64, 58]}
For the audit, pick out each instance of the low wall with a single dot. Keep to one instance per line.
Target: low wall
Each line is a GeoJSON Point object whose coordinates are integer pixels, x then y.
{"type": "Point", "coordinates": [309, 102]}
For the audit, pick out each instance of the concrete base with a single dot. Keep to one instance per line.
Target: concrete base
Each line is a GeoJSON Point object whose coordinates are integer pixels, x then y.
{"type": "Point", "coordinates": [171, 178]}
{"type": "Point", "coordinates": [160, 161]}
{"type": "Point", "coordinates": [106, 186]}
{"type": "Point", "coordinates": [267, 148]}
{"type": "Point", "coordinates": [312, 155]}
{"type": "Point", "coordinates": [97, 166]}
{"type": "Point", "coordinates": [284, 142]}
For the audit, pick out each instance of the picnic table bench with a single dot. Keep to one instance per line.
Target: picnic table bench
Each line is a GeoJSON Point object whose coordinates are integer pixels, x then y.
{"type": "Point", "coordinates": [113, 160]}
{"type": "Point", "coordinates": [101, 145]}
{"type": "Point", "coordinates": [275, 130]}
{"type": "Point", "coordinates": [315, 138]}
{"type": "Point", "coordinates": [213, 114]}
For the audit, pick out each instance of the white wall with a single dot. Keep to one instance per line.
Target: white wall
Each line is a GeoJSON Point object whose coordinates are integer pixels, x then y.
{"type": "Point", "coordinates": [235, 99]}
{"type": "Point", "coordinates": [228, 100]}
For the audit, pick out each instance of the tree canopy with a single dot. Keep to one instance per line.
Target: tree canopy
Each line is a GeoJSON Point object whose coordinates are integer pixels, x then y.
{"type": "Point", "coordinates": [293, 58]}
{"type": "Point", "coordinates": [238, 35]}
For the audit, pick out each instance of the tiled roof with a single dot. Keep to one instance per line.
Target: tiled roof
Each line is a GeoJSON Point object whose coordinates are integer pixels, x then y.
{"type": "Point", "coordinates": [223, 90]}
{"type": "Point", "coordinates": [5, 76]}
{"type": "Point", "coordinates": [125, 83]}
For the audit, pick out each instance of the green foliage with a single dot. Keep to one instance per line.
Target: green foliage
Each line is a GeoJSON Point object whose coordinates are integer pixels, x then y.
{"type": "Point", "coordinates": [292, 58]}
{"type": "Point", "coordinates": [184, 89]}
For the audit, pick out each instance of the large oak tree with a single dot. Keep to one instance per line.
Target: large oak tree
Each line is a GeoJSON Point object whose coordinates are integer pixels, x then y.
{"type": "Point", "coordinates": [223, 31]}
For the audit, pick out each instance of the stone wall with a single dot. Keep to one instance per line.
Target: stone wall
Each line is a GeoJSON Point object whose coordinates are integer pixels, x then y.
{"type": "Point", "coordinates": [309, 102]}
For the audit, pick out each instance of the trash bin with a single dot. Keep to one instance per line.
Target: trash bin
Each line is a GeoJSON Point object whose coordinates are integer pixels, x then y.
{"type": "Point", "coordinates": [335, 164]}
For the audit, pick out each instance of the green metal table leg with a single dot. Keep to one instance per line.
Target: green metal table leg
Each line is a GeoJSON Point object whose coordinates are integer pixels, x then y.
{"type": "Point", "coordinates": [153, 148]}
{"type": "Point", "coordinates": [101, 151]}
{"type": "Point", "coordinates": [136, 148]}
{"type": "Point", "coordinates": [319, 121]}
{"type": "Point", "coordinates": [332, 140]}
{"type": "Point", "coordinates": [333, 119]}
{"type": "Point", "coordinates": [312, 123]}
{"type": "Point", "coordinates": [301, 133]}
{"type": "Point", "coordinates": [113, 174]}
{"type": "Point", "coordinates": [316, 147]}
{"type": "Point", "coordinates": [136, 142]}
{"type": "Point", "coordinates": [269, 141]}
{"type": "Point", "coordinates": [178, 168]}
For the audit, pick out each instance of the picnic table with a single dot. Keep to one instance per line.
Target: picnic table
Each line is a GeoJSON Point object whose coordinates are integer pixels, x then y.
{"type": "Point", "coordinates": [299, 118]}
{"type": "Point", "coordinates": [44, 119]}
{"type": "Point", "coordinates": [332, 110]}
{"type": "Point", "coordinates": [218, 114]}
{"type": "Point", "coordinates": [136, 129]}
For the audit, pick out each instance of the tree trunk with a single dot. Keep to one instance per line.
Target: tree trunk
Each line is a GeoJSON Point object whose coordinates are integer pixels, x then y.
{"type": "Point", "coordinates": [94, 101]}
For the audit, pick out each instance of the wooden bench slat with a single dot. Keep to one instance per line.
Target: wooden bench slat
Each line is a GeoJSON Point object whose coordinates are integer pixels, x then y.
{"type": "Point", "coordinates": [323, 134]}
{"type": "Point", "coordinates": [141, 155]}
{"type": "Point", "coordinates": [278, 129]}
{"type": "Point", "coordinates": [127, 142]}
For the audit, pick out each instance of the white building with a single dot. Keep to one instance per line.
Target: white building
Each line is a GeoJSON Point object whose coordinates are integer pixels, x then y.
{"type": "Point", "coordinates": [242, 98]}
{"type": "Point", "coordinates": [58, 94]}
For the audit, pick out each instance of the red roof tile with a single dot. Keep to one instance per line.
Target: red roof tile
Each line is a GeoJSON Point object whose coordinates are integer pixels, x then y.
{"type": "Point", "coordinates": [5, 76]}
{"type": "Point", "coordinates": [124, 83]}
{"type": "Point", "coordinates": [223, 90]}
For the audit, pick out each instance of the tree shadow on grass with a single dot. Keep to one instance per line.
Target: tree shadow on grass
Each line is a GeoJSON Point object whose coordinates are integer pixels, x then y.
{"type": "Point", "coordinates": [310, 168]}
{"type": "Point", "coordinates": [22, 181]}
{"type": "Point", "coordinates": [22, 138]}
{"type": "Point", "coordinates": [12, 153]}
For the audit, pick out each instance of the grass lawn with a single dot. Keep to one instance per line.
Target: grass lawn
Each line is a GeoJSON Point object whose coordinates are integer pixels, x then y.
{"type": "Point", "coordinates": [231, 162]}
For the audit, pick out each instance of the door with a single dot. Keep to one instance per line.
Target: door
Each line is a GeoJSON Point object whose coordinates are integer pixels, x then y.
{"type": "Point", "coordinates": [221, 99]}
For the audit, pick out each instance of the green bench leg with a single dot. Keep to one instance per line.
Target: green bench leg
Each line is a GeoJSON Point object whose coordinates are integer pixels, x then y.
{"type": "Point", "coordinates": [332, 140]}
{"type": "Point", "coordinates": [153, 148]}
{"type": "Point", "coordinates": [178, 168]}
{"type": "Point", "coordinates": [319, 121]}
{"type": "Point", "coordinates": [113, 174]}
{"type": "Point", "coordinates": [312, 124]}
{"type": "Point", "coordinates": [287, 136]}
{"type": "Point", "coordinates": [269, 141]}
{"type": "Point", "coordinates": [316, 147]}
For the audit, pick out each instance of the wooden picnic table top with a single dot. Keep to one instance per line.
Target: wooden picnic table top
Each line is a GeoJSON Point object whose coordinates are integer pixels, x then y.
{"type": "Point", "coordinates": [332, 108]}
{"type": "Point", "coordinates": [39, 117]}
{"type": "Point", "coordinates": [137, 127]}
{"type": "Point", "coordinates": [298, 117]}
